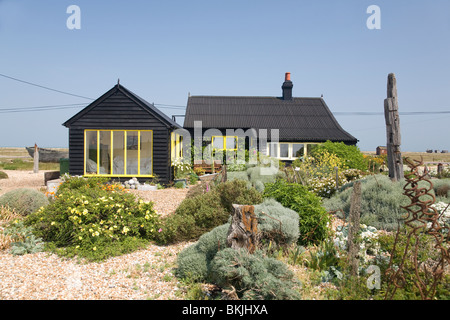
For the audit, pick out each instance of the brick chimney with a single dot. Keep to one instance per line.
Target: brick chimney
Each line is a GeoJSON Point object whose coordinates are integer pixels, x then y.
{"type": "Point", "coordinates": [287, 87]}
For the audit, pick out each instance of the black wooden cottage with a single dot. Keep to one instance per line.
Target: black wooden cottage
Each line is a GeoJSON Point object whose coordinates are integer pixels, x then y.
{"type": "Point", "coordinates": [300, 122]}
{"type": "Point", "coordinates": [120, 135]}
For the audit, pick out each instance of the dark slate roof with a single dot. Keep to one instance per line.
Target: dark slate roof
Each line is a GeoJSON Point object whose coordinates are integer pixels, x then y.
{"type": "Point", "coordinates": [299, 119]}
{"type": "Point", "coordinates": [149, 107]}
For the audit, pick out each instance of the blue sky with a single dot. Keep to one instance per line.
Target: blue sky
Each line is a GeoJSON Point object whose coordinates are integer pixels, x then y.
{"type": "Point", "coordinates": [164, 50]}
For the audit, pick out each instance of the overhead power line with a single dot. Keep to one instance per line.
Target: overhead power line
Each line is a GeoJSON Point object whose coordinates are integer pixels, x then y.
{"type": "Point", "coordinates": [44, 87]}
{"type": "Point", "coordinates": [406, 113]}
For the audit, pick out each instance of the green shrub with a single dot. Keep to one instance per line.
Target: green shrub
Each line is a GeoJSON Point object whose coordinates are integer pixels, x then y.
{"type": "Point", "coordinates": [94, 221]}
{"type": "Point", "coordinates": [263, 278]}
{"type": "Point", "coordinates": [237, 192]}
{"type": "Point", "coordinates": [276, 224]}
{"type": "Point", "coordinates": [24, 200]}
{"type": "Point", "coordinates": [350, 156]}
{"type": "Point", "coordinates": [202, 212]}
{"type": "Point", "coordinates": [381, 201]}
{"type": "Point", "coordinates": [253, 276]}
{"type": "Point", "coordinates": [179, 185]}
{"type": "Point", "coordinates": [237, 175]}
{"type": "Point", "coordinates": [313, 218]}
{"type": "Point", "coordinates": [3, 175]}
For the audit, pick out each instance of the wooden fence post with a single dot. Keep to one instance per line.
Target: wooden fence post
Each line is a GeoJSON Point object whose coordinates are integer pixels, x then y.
{"type": "Point", "coordinates": [353, 229]}
{"type": "Point", "coordinates": [395, 161]}
{"type": "Point", "coordinates": [243, 228]}
{"type": "Point", "coordinates": [36, 159]}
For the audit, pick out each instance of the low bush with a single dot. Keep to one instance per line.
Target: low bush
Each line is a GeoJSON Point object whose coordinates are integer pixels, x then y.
{"type": "Point", "coordinates": [209, 207]}
{"type": "Point", "coordinates": [258, 277]}
{"type": "Point", "coordinates": [350, 156]}
{"type": "Point", "coordinates": [94, 221]}
{"type": "Point", "coordinates": [254, 276]}
{"type": "Point", "coordinates": [381, 201]}
{"type": "Point", "coordinates": [23, 201]}
{"type": "Point", "coordinates": [313, 218]}
{"type": "Point", "coordinates": [3, 175]}
{"type": "Point", "coordinates": [23, 240]}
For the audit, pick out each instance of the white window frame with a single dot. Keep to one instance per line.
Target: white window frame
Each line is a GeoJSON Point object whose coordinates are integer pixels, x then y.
{"type": "Point", "coordinates": [290, 149]}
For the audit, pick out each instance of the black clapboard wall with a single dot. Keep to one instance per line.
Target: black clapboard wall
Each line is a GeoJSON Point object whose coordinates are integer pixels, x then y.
{"type": "Point", "coordinates": [121, 109]}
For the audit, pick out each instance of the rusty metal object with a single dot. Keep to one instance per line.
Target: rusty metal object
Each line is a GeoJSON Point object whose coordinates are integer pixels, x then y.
{"type": "Point", "coordinates": [421, 218]}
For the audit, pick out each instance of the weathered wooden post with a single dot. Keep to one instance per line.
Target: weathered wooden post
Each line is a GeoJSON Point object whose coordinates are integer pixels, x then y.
{"type": "Point", "coordinates": [36, 159]}
{"type": "Point", "coordinates": [336, 169]}
{"type": "Point", "coordinates": [243, 228]}
{"type": "Point", "coordinates": [395, 161]}
{"type": "Point", "coordinates": [353, 229]}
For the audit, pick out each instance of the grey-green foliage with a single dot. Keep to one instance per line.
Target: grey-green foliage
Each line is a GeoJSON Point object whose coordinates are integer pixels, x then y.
{"type": "Point", "coordinates": [275, 223]}
{"type": "Point", "coordinates": [439, 183]}
{"type": "Point", "coordinates": [24, 200]}
{"type": "Point", "coordinates": [253, 276]}
{"type": "Point", "coordinates": [237, 175]}
{"type": "Point", "coordinates": [381, 201]}
{"type": "Point", "coordinates": [24, 239]}
{"type": "Point", "coordinates": [258, 176]}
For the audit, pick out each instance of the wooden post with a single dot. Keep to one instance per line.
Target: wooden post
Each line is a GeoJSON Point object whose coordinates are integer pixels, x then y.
{"type": "Point", "coordinates": [353, 229]}
{"type": "Point", "coordinates": [243, 228]}
{"type": "Point", "coordinates": [337, 178]}
{"type": "Point", "coordinates": [395, 161]}
{"type": "Point", "coordinates": [36, 159]}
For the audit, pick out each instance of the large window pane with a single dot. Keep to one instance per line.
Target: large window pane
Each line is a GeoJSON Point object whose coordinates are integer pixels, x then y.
{"type": "Point", "coordinates": [297, 150]}
{"type": "Point", "coordinates": [146, 152]}
{"type": "Point", "coordinates": [132, 153]}
{"type": "Point", "coordinates": [105, 152]}
{"type": "Point", "coordinates": [118, 152]}
{"type": "Point", "coordinates": [273, 150]}
{"type": "Point", "coordinates": [231, 143]}
{"type": "Point", "coordinates": [217, 142]}
{"type": "Point", "coordinates": [91, 152]}
{"type": "Point", "coordinates": [284, 150]}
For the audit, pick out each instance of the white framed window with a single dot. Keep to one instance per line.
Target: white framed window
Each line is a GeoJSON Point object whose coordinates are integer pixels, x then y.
{"type": "Point", "coordinates": [288, 150]}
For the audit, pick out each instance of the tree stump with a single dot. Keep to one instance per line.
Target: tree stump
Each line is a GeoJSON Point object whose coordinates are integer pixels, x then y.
{"type": "Point", "coordinates": [243, 228]}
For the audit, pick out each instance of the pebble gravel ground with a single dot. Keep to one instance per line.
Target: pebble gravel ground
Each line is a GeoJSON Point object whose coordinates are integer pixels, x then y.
{"type": "Point", "coordinates": [141, 275]}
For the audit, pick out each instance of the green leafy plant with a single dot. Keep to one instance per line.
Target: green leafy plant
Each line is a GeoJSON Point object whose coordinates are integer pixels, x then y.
{"type": "Point", "coordinates": [207, 208]}
{"type": "Point", "coordinates": [94, 220]}
{"type": "Point", "coordinates": [350, 156]}
{"type": "Point", "coordinates": [3, 175]}
{"type": "Point", "coordinates": [313, 218]}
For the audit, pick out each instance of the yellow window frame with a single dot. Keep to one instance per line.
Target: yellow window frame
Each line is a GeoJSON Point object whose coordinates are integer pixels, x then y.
{"type": "Point", "coordinates": [224, 139]}
{"type": "Point", "coordinates": [112, 154]}
{"type": "Point", "coordinates": [176, 146]}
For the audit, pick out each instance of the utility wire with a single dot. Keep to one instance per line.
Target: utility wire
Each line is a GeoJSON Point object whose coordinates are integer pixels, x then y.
{"type": "Point", "coordinates": [47, 88]}
{"type": "Point", "coordinates": [168, 106]}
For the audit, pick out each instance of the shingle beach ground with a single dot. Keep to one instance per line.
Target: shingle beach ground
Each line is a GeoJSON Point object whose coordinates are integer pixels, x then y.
{"type": "Point", "coordinates": [144, 274]}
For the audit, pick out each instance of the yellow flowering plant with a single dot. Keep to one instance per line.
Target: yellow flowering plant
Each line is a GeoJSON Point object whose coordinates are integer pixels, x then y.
{"type": "Point", "coordinates": [90, 215]}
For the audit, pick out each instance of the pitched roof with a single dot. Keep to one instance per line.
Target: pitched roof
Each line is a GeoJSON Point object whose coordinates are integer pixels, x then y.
{"type": "Point", "coordinates": [298, 119]}
{"type": "Point", "coordinates": [150, 108]}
